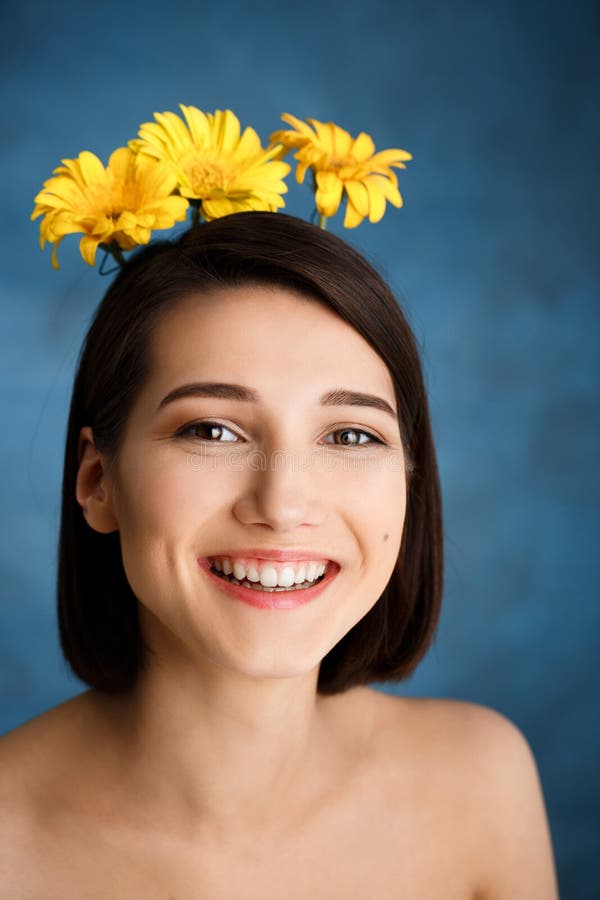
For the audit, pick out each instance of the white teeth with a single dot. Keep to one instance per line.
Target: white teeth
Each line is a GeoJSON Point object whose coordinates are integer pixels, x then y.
{"type": "Point", "coordinates": [239, 571]}
{"type": "Point", "coordinates": [268, 576]}
{"type": "Point", "coordinates": [301, 576]}
{"type": "Point", "coordinates": [286, 577]}
{"type": "Point", "coordinates": [252, 573]}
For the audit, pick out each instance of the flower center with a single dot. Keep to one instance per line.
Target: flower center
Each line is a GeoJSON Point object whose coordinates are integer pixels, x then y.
{"type": "Point", "coordinates": [206, 178]}
{"type": "Point", "coordinates": [337, 163]}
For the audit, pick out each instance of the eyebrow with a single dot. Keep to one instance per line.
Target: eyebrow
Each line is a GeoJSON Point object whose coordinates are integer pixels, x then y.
{"type": "Point", "coordinates": [224, 391]}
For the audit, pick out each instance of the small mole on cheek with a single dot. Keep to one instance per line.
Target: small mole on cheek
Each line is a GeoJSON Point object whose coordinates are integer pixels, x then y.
{"type": "Point", "coordinates": [385, 537]}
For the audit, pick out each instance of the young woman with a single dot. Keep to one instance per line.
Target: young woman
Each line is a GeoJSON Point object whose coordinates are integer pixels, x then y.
{"type": "Point", "coordinates": [251, 534]}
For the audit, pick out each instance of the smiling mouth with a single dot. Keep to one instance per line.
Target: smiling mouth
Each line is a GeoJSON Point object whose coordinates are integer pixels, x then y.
{"type": "Point", "coordinates": [257, 586]}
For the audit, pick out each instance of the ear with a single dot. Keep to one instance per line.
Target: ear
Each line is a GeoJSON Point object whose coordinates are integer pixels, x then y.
{"type": "Point", "coordinates": [91, 490]}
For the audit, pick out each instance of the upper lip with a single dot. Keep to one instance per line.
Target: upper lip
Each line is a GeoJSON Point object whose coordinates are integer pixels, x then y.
{"type": "Point", "coordinates": [277, 555]}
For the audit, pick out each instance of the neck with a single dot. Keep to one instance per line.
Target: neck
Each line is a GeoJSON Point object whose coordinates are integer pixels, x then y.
{"type": "Point", "coordinates": [222, 750]}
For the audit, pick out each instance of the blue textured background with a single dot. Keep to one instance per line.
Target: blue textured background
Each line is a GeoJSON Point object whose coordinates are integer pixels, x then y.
{"type": "Point", "coordinates": [495, 251]}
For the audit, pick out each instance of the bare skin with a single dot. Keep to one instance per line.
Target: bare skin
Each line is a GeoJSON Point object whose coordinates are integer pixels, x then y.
{"type": "Point", "coordinates": [223, 774]}
{"type": "Point", "coordinates": [407, 800]}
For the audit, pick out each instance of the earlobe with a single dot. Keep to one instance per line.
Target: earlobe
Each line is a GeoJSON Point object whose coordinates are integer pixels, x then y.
{"type": "Point", "coordinates": [91, 490]}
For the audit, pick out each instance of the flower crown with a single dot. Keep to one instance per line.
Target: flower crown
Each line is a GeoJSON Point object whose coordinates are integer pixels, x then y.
{"type": "Point", "coordinates": [203, 162]}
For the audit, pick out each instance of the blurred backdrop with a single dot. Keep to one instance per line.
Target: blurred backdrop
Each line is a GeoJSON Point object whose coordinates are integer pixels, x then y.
{"type": "Point", "coordinates": [495, 257]}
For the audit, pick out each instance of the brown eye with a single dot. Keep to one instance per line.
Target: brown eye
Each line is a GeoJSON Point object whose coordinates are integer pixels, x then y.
{"type": "Point", "coordinates": [349, 437]}
{"type": "Point", "coordinates": [206, 431]}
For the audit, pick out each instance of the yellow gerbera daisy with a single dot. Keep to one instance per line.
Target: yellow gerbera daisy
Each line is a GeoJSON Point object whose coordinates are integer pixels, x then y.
{"type": "Point", "coordinates": [343, 166]}
{"type": "Point", "coordinates": [221, 169]}
{"type": "Point", "coordinates": [117, 206]}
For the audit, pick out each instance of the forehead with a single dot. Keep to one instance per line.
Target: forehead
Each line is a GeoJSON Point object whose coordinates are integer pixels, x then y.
{"type": "Point", "coordinates": [264, 336]}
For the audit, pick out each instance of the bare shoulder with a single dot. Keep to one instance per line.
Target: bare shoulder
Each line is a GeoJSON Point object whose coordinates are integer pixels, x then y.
{"type": "Point", "coordinates": [32, 747]}
{"type": "Point", "coordinates": [478, 737]}
{"type": "Point", "coordinates": [484, 772]}
{"type": "Point", "coordinates": [36, 766]}
{"type": "Point", "coordinates": [455, 740]}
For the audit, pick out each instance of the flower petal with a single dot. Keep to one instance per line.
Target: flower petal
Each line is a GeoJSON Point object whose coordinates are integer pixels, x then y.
{"type": "Point", "coordinates": [329, 193]}
{"type": "Point", "coordinates": [363, 147]}
{"type": "Point", "coordinates": [91, 167]}
{"type": "Point", "coordinates": [358, 196]}
{"type": "Point", "coordinates": [198, 125]}
{"type": "Point", "coordinates": [228, 131]}
{"type": "Point", "coordinates": [325, 134]}
{"type": "Point", "coordinates": [87, 247]}
{"type": "Point", "coordinates": [352, 217]}
{"type": "Point", "coordinates": [376, 200]}
{"type": "Point", "coordinates": [385, 187]}
{"type": "Point", "coordinates": [341, 141]}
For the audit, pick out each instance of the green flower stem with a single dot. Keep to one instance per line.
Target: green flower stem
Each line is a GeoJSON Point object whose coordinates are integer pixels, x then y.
{"type": "Point", "coordinates": [116, 253]}
{"type": "Point", "coordinates": [195, 214]}
{"type": "Point", "coordinates": [322, 221]}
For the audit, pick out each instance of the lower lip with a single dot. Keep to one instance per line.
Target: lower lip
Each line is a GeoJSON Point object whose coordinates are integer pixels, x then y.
{"type": "Point", "coordinates": [274, 599]}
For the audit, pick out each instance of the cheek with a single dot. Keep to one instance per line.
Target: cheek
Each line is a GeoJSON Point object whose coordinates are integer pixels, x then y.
{"type": "Point", "coordinates": [166, 497]}
{"type": "Point", "coordinates": [160, 512]}
{"type": "Point", "coordinates": [383, 510]}
{"type": "Point", "coordinates": [382, 494]}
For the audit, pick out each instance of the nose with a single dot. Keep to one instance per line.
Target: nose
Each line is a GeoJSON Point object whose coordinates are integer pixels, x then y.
{"type": "Point", "coordinates": [282, 490]}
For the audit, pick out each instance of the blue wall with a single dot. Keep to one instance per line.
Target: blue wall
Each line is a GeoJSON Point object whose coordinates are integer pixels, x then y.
{"type": "Point", "coordinates": [496, 255]}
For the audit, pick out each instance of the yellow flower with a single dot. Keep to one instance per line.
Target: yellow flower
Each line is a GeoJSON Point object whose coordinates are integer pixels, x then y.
{"type": "Point", "coordinates": [344, 166]}
{"type": "Point", "coordinates": [226, 171]}
{"type": "Point", "coordinates": [120, 204]}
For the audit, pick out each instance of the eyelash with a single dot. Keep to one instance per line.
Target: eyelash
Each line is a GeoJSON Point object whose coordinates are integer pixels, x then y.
{"type": "Point", "coordinates": [183, 433]}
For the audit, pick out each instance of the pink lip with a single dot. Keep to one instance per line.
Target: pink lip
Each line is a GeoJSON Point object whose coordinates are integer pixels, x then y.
{"type": "Point", "coordinates": [278, 555]}
{"type": "Point", "coordinates": [277, 599]}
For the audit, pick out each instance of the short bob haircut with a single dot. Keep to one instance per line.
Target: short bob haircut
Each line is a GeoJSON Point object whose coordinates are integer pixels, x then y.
{"type": "Point", "coordinates": [97, 609]}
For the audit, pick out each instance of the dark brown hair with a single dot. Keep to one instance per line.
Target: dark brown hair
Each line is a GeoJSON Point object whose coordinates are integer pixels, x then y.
{"type": "Point", "coordinates": [97, 609]}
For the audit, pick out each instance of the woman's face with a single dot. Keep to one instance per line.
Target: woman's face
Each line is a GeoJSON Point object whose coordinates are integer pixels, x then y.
{"type": "Point", "coordinates": [200, 477]}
